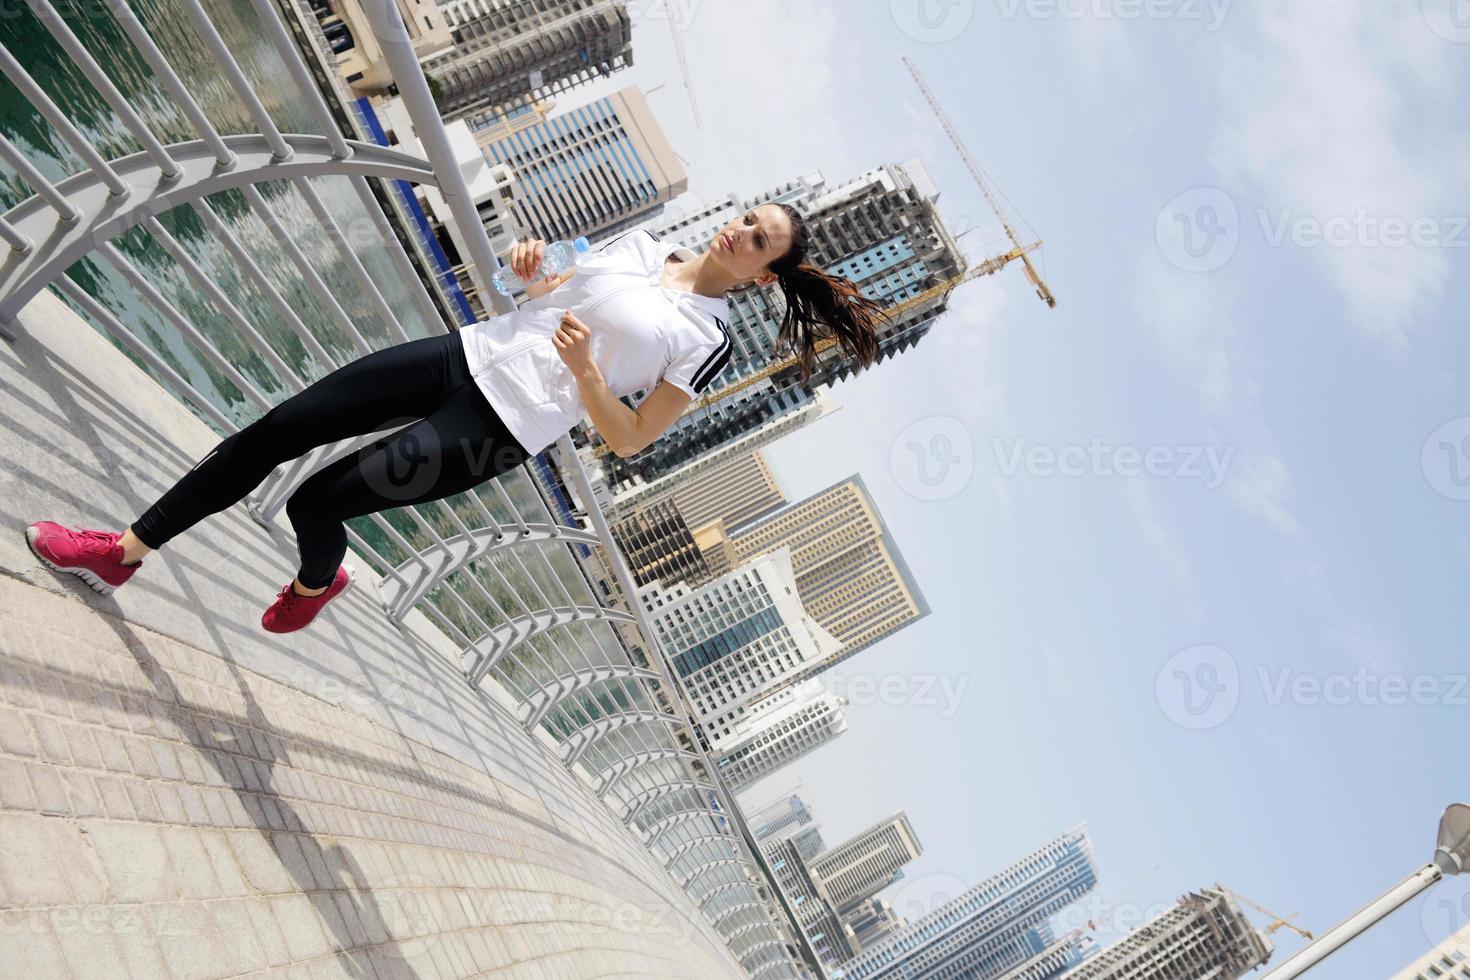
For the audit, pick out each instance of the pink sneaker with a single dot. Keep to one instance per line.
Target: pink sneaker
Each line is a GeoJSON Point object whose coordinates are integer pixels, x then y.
{"type": "Point", "coordinates": [93, 556]}
{"type": "Point", "coordinates": [290, 611]}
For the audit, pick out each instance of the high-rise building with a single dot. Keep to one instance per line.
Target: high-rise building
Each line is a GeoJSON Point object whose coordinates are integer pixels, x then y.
{"type": "Point", "coordinates": [509, 52]}
{"type": "Point", "coordinates": [866, 863]}
{"type": "Point", "coordinates": [1205, 936]}
{"type": "Point", "coordinates": [682, 533]}
{"type": "Point", "coordinates": [992, 928]}
{"type": "Point", "coordinates": [736, 639]}
{"type": "Point", "coordinates": [881, 230]}
{"type": "Point", "coordinates": [1053, 957]}
{"type": "Point", "coordinates": [871, 922]}
{"type": "Point", "coordinates": [850, 573]}
{"type": "Point", "coordinates": [784, 813]}
{"type": "Point", "coordinates": [1448, 960]}
{"type": "Point", "coordinates": [355, 47]}
{"type": "Point", "coordinates": [595, 170]}
{"type": "Point", "coordinates": [497, 124]}
{"type": "Point", "coordinates": [778, 731]}
{"type": "Point", "coordinates": [828, 934]}
{"type": "Point", "coordinates": [736, 491]}
{"type": "Point", "coordinates": [808, 841]}
{"type": "Point", "coordinates": [779, 424]}
{"type": "Point", "coordinates": [658, 546]}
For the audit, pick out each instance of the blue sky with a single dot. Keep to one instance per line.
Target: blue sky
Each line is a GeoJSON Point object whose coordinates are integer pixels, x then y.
{"type": "Point", "coordinates": [1251, 672]}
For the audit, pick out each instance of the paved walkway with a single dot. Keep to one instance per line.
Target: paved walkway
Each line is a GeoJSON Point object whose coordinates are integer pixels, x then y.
{"type": "Point", "coordinates": [185, 795]}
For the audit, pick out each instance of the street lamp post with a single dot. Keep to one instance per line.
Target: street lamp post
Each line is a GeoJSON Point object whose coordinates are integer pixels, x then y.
{"type": "Point", "coordinates": [1451, 856]}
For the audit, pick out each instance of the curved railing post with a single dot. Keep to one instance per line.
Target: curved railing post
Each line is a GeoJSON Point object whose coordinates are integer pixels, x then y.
{"type": "Point", "coordinates": [413, 87]}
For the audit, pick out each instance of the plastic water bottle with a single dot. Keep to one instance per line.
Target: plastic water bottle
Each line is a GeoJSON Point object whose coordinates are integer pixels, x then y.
{"type": "Point", "coordinates": [556, 258]}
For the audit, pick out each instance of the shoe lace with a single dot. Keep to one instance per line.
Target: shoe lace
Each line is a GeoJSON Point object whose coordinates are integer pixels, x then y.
{"type": "Point", "coordinates": [103, 540]}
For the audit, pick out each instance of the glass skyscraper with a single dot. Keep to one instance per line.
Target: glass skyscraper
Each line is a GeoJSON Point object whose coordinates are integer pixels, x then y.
{"type": "Point", "coordinates": [994, 927]}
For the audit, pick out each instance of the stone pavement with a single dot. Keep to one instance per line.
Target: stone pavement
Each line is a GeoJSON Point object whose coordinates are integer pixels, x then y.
{"type": "Point", "coordinates": [184, 795]}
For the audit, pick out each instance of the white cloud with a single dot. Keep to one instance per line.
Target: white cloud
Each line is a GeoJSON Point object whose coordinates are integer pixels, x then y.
{"type": "Point", "coordinates": [1159, 537]}
{"type": "Point", "coordinates": [1190, 314]}
{"type": "Point", "coordinates": [965, 337]}
{"type": "Point", "coordinates": [1329, 111]}
{"type": "Point", "coordinates": [772, 81]}
{"type": "Point", "coordinates": [1261, 486]}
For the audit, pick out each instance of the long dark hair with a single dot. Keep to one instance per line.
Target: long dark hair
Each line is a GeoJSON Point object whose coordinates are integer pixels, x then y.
{"type": "Point", "coordinates": [821, 306]}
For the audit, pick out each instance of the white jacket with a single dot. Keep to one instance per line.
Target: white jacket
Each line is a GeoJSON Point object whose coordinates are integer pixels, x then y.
{"type": "Point", "coordinates": [642, 333]}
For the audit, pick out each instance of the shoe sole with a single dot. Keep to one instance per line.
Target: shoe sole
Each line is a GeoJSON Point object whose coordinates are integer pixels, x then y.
{"type": "Point", "coordinates": [86, 575]}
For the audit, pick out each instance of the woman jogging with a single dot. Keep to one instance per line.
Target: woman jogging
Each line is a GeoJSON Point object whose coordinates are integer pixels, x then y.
{"type": "Point", "coordinates": [635, 315]}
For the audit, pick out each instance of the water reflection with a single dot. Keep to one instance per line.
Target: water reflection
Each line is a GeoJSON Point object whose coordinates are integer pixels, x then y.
{"type": "Point", "coordinates": [26, 38]}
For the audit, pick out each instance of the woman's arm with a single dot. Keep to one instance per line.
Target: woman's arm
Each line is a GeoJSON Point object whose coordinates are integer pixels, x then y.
{"type": "Point", "coordinates": [543, 286]}
{"type": "Point", "coordinates": [625, 430]}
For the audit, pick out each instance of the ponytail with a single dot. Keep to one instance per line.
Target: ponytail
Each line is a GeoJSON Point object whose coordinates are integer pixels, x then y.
{"type": "Point", "coordinates": [820, 306]}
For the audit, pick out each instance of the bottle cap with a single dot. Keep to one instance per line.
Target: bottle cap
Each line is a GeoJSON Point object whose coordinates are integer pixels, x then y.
{"type": "Point", "coordinates": [582, 244]}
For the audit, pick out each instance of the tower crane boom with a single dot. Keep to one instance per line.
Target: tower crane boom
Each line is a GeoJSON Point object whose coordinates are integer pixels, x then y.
{"type": "Point", "coordinates": [982, 180]}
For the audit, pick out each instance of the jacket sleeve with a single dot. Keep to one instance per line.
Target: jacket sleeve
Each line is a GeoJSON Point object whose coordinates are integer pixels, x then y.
{"type": "Point", "coordinates": [694, 368]}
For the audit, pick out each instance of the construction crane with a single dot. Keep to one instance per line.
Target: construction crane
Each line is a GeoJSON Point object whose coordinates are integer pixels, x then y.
{"type": "Point", "coordinates": [982, 180]}
{"type": "Point", "coordinates": [1277, 921]}
{"type": "Point", "coordinates": [675, 11]}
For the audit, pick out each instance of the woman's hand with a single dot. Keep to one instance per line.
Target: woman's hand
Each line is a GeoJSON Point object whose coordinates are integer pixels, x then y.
{"type": "Point", "coordinates": [574, 344]}
{"type": "Point", "coordinates": [526, 256]}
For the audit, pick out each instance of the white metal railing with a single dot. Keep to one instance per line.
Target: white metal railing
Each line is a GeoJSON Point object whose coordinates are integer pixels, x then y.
{"type": "Point", "coordinates": [503, 569]}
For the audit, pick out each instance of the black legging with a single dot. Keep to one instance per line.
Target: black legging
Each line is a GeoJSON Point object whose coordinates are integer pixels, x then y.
{"type": "Point", "coordinates": [458, 443]}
